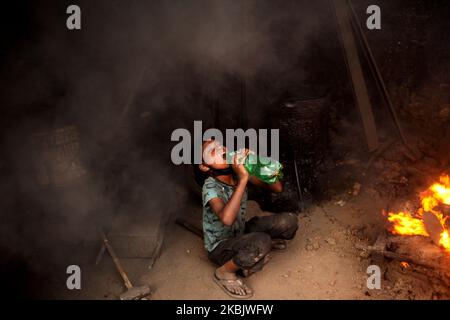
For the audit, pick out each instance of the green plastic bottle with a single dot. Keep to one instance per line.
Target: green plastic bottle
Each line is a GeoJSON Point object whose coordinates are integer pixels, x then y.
{"type": "Point", "coordinates": [264, 168]}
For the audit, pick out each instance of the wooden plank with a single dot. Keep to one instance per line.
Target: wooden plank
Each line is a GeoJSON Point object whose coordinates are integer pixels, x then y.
{"type": "Point", "coordinates": [414, 249]}
{"type": "Point", "coordinates": [357, 77]}
{"type": "Point", "coordinates": [377, 74]}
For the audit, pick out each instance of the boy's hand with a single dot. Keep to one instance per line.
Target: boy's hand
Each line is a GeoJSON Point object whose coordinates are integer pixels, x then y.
{"type": "Point", "coordinates": [239, 168]}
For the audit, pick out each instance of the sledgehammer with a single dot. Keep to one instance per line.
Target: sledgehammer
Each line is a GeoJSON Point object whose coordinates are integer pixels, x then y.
{"type": "Point", "coordinates": [132, 293]}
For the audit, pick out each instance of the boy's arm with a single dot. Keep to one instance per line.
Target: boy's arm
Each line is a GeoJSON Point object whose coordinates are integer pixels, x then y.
{"type": "Point", "coordinates": [276, 187]}
{"type": "Point", "coordinates": [228, 212]}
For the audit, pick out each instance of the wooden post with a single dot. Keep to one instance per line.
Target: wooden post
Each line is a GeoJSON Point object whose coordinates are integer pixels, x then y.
{"type": "Point", "coordinates": [357, 77]}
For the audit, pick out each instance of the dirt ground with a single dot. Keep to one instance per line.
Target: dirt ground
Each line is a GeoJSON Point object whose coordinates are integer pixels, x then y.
{"type": "Point", "coordinates": [321, 262]}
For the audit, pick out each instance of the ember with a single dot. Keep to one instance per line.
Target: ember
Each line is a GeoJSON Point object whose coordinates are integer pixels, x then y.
{"type": "Point", "coordinates": [408, 223]}
{"type": "Point", "coordinates": [404, 264]}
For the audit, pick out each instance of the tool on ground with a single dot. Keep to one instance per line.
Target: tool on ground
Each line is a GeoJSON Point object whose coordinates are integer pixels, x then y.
{"type": "Point", "coordinates": [132, 293]}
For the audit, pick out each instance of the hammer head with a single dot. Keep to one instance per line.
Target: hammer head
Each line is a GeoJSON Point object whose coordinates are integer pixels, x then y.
{"type": "Point", "coordinates": [135, 293]}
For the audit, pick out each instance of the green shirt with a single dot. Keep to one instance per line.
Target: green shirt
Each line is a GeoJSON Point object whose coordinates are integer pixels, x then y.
{"type": "Point", "coordinates": [214, 231]}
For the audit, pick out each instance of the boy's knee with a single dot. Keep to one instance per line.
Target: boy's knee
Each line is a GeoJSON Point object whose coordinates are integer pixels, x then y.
{"type": "Point", "coordinates": [259, 245]}
{"type": "Point", "coordinates": [287, 224]}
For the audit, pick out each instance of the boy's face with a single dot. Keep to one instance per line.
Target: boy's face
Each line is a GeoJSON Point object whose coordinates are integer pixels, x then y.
{"type": "Point", "coordinates": [214, 155]}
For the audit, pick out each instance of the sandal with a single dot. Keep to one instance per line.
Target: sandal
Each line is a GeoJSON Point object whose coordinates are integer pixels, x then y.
{"type": "Point", "coordinates": [225, 284]}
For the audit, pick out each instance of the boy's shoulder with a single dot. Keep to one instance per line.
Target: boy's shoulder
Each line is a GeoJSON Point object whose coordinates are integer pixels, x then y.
{"type": "Point", "coordinates": [210, 183]}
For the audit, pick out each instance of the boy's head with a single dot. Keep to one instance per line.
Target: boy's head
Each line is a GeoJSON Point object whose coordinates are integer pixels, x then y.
{"type": "Point", "coordinates": [214, 159]}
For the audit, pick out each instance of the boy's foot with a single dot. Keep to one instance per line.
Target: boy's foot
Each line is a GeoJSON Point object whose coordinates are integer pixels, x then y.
{"type": "Point", "coordinates": [279, 244]}
{"type": "Point", "coordinates": [232, 285]}
{"type": "Point", "coordinates": [248, 273]}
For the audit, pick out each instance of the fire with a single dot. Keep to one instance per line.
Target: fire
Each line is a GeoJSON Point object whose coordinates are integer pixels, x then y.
{"type": "Point", "coordinates": [404, 264]}
{"type": "Point", "coordinates": [404, 223]}
{"type": "Point", "coordinates": [407, 223]}
{"type": "Point", "coordinates": [445, 240]}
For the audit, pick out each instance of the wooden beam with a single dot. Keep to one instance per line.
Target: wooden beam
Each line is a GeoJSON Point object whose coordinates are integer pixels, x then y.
{"type": "Point", "coordinates": [350, 49]}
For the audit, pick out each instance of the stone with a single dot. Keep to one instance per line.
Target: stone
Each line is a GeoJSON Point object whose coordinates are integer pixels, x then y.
{"type": "Point", "coordinates": [364, 254]}
{"type": "Point", "coordinates": [356, 189]}
{"type": "Point", "coordinates": [340, 203]}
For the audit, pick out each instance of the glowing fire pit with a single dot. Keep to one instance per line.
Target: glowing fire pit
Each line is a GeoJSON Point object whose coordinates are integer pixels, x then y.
{"type": "Point", "coordinates": [419, 238]}
{"type": "Point", "coordinates": [429, 220]}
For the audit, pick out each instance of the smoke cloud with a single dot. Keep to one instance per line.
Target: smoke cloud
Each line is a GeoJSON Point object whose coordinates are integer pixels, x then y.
{"type": "Point", "coordinates": [136, 71]}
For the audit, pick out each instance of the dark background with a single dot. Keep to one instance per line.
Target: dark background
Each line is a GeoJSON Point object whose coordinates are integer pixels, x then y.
{"type": "Point", "coordinates": [227, 63]}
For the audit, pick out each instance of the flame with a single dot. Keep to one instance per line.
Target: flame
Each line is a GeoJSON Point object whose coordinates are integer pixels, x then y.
{"type": "Point", "coordinates": [404, 264]}
{"type": "Point", "coordinates": [406, 223]}
{"type": "Point", "coordinates": [445, 240]}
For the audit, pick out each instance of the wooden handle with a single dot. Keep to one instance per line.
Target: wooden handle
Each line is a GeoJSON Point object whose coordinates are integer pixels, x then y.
{"type": "Point", "coordinates": [117, 262]}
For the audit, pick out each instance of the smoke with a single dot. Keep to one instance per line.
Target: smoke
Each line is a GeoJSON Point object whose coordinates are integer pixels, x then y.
{"type": "Point", "coordinates": [136, 71]}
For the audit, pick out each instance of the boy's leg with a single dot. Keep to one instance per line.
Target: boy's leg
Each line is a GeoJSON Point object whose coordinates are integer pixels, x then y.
{"type": "Point", "coordinates": [246, 252]}
{"type": "Point", "coordinates": [278, 226]}
{"type": "Point", "coordinates": [227, 275]}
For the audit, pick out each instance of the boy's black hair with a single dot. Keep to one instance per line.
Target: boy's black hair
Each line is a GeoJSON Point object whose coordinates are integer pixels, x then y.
{"type": "Point", "coordinates": [199, 175]}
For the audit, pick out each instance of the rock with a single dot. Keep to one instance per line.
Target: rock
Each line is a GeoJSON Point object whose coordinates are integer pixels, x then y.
{"type": "Point", "coordinates": [340, 203]}
{"type": "Point", "coordinates": [356, 189]}
{"type": "Point", "coordinates": [311, 244]}
{"type": "Point", "coordinates": [364, 254]}
{"type": "Point", "coordinates": [330, 241]}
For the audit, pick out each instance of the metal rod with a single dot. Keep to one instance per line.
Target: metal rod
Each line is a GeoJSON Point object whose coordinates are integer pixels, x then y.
{"type": "Point", "coordinates": [300, 195]}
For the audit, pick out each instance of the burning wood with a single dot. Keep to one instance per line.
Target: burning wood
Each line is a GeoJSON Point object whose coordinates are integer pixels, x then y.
{"type": "Point", "coordinates": [417, 251]}
{"type": "Point", "coordinates": [431, 219]}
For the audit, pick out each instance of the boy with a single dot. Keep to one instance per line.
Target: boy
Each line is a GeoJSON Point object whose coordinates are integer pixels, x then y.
{"type": "Point", "coordinates": [232, 243]}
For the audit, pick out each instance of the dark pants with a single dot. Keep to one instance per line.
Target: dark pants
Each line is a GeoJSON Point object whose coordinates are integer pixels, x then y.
{"type": "Point", "coordinates": [248, 251]}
